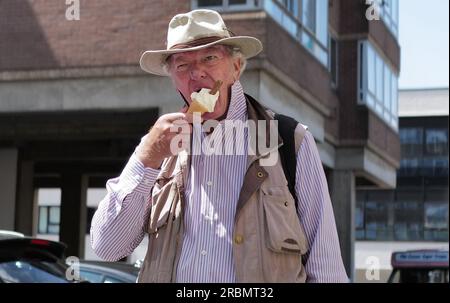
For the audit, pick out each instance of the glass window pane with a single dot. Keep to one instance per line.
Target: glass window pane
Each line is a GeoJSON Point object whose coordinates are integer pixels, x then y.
{"type": "Point", "coordinates": [307, 41]}
{"type": "Point", "coordinates": [321, 54]}
{"type": "Point", "coordinates": [289, 24]}
{"type": "Point", "coordinates": [333, 60]}
{"type": "Point", "coordinates": [394, 95]}
{"type": "Point", "coordinates": [309, 14]}
{"type": "Point", "coordinates": [436, 215]}
{"type": "Point", "coordinates": [43, 217]}
{"type": "Point", "coordinates": [408, 216]}
{"type": "Point", "coordinates": [379, 77]}
{"type": "Point", "coordinates": [371, 72]}
{"type": "Point", "coordinates": [209, 2]}
{"type": "Point", "coordinates": [359, 217]}
{"type": "Point", "coordinates": [409, 167]}
{"type": "Point", "coordinates": [436, 141]}
{"type": "Point", "coordinates": [387, 93]}
{"type": "Point", "coordinates": [377, 215]}
{"type": "Point", "coordinates": [291, 6]}
{"type": "Point", "coordinates": [395, 12]}
{"type": "Point", "coordinates": [387, 7]}
{"type": "Point", "coordinates": [322, 21]}
{"type": "Point", "coordinates": [273, 10]}
{"type": "Point", "coordinates": [54, 215]}
{"type": "Point", "coordinates": [53, 229]}
{"type": "Point", "coordinates": [411, 135]}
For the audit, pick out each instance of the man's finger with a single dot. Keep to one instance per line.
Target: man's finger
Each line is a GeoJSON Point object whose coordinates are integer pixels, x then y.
{"type": "Point", "coordinates": [175, 116]}
{"type": "Point", "coordinates": [184, 109]}
{"type": "Point", "coordinates": [194, 117]}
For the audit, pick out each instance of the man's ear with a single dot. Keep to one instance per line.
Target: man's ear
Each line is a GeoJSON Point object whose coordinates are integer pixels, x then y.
{"type": "Point", "coordinates": [237, 69]}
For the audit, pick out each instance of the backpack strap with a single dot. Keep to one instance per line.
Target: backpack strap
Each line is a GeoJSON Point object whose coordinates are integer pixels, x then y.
{"type": "Point", "coordinates": [292, 134]}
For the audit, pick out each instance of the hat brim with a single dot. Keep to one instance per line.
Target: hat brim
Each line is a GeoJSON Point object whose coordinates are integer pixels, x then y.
{"type": "Point", "coordinates": [153, 61]}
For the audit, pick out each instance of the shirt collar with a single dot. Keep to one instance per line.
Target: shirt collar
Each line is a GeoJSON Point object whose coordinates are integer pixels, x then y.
{"type": "Point", "coordinates": [238, 107]}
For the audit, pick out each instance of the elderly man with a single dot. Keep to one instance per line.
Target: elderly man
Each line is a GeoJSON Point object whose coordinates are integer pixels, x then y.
{"type": "Point", "coordinates": [217, 218]}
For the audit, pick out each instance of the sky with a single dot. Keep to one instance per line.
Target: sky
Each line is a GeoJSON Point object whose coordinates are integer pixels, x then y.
{"type": "Point", "coordinates": [423, 38]}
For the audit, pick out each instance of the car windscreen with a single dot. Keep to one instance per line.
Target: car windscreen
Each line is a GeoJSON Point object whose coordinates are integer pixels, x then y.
{"type": "Point", "coordinates": [31, 271]}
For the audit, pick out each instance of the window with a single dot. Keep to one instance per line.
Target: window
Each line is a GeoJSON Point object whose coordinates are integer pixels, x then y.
{"type": "Point", "coordinates": [434, 167]}
{"type": "Point", "coordinates": [309, 14]}
{"type": "Point", "coordinates": [333, 62]}
{"type": "Point", "coordinates": [409, 167]}
{"type": "Point", "coordinates": [359, 215]}
{"type": "Point", "coordinates": [408, 216]}
{"type": "Point", "coordinates": [403, 215]}
{"type": "Point", "coordinates": [436, 141]}
{"type": "Point", "coordinates": [291, 6]}
{"type": "Point", "coordinates": [378, 84]}
{"type": "Point", "coordinates": [49, 217]}
{"type": "Point", "coordinates": [411, 135]}
{"type": "Point", "coordinates": [306, 21]}
{"type": "Point", "coordinates": [436, 215]}
{"type": "Point", "coordinates": [225, 5]}
{"type": "Point", "coordinates": [377, 215]}
{"type": "Point", "coordinates": [389, 14]}
{"type": "Point", "coordinates": [411, 139]}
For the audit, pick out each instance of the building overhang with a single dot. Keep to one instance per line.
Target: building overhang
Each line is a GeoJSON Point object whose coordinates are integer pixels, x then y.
{"type": "Point", "coordinates": [367, 165]}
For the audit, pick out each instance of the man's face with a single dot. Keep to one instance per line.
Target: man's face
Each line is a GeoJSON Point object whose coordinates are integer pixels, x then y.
{"type": "Point", "coordinates": [192, 71]}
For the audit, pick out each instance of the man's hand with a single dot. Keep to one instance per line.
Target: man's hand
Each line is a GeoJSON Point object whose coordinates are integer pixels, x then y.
{"type": "Point", "coordinates": [156, 145]}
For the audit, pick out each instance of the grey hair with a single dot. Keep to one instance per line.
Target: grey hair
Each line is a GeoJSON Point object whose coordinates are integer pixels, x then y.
{"type": "Point", "coordinates": [236, 53]}
{"type": "Point", "coordinates": [233, 51]}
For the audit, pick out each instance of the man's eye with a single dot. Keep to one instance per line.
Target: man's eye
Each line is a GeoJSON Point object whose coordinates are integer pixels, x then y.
{"type": "Point", "coordinates": [181, 66]}
{"type": "Point", "coordinates": [210, 58]}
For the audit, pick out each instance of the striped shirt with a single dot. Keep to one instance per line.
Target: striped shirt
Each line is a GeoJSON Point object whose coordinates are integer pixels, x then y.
{"type": "Point", "coordinates": [212, 191]}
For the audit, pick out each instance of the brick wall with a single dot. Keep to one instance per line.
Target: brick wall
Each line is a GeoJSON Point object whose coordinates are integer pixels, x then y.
{"type": "Point", "coordinates": [36, 35]}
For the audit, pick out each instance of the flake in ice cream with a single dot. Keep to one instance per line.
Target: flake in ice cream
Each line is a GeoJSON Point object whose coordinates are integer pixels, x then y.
{"type": "Point", "coordinates": [205, 100]}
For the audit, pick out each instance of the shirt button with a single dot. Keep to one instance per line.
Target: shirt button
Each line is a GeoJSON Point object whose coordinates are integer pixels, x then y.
{"type": "Point", "coordinates": [238, 239]}
{"type": "Point", "coordinates": [203, 252]}
{"type": "Point", "coordinates": [209, 183]}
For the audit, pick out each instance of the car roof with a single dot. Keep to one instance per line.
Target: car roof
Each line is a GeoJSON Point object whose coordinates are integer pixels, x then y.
{"type": "Point", "coordinates": [28, 247]}
{"type": "Point", "coordinates": [9, 234]}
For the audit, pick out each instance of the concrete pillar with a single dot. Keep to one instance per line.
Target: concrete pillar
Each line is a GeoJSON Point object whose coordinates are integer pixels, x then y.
{"type": "Point", "coordinates": [342, 190]}
{"type": "Point", "coordinates": [73, 212]}
{"type": "Point", "coordinates": [8, 182]}
{"type": "Point", "coordinates": [26, 206]}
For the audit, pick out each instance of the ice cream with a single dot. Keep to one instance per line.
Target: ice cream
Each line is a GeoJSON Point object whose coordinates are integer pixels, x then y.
{"type": "Point", "coordinates": [205, 100]}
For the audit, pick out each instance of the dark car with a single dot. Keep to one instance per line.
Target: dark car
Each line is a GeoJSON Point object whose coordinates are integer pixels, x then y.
{"type": "Point", "coordinates": [419, 266]}
{"type": "Point", "coordinates": [31, 260]}
{"type": "Point", "coordinates": [108, 272]}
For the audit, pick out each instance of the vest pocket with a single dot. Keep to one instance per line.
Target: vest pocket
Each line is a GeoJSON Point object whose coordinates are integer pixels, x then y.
{"type": "Point", "coordinates": [162, 207]}
{"type": "Point", "coordinates": [283, 231]}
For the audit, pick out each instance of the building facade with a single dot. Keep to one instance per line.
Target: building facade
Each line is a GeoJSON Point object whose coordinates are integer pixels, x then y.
{"type": "Point", "coordinates": [415, 214]}
{"type": "Point", "coordinates": [74, 103]}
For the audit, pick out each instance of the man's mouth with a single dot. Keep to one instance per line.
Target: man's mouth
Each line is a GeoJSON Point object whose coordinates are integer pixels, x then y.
{"type": "Point", "coordinates": [197, 89]}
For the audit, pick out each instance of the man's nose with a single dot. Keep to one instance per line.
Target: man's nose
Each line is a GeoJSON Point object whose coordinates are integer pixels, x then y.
{"type": "Point", "coordinates": [197, 72]}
